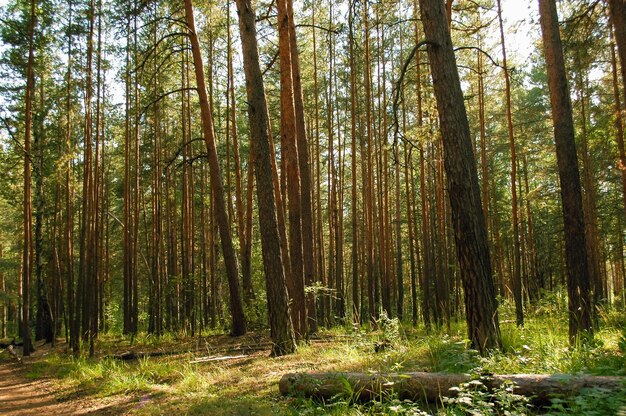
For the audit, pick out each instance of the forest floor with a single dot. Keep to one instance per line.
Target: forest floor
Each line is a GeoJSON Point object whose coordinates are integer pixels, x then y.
{"type": "Point", "coordinates": [215, 374]}
{"type": "Point", "coordinates": [23, 393]}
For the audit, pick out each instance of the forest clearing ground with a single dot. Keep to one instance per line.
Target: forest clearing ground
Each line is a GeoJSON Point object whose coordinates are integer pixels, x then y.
{"type": "Point", "coordinates": [216, 374]}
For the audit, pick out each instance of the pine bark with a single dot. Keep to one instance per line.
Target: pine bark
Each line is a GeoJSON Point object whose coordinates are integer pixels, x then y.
{"type": "Point", "coordinates": [305, 175]}
{"type": "Point", "coordinates": [354, 151]}
{"type": "Point", "coordinates": [517, 273]}
{"type": "Point", "coordinates": [281, 328]}
{"type": "Point", "coordinates": [578, 281]}
{"type": "Point", "coordinates": [3, 311]}
{"type": "Point", "coordinates": [462, 179]}
{"type": "Point", "coordinates": [230, 259]}
{"type": "Point", "coordinates": [295, 281]}
{"type": "Point", "coordinates": [619, 121]}
{"type": "Point", "coordinates": [27, 208]}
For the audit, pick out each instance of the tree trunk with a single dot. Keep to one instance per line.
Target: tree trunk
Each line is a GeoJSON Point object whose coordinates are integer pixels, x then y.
{"type": "Point", "coordinates": [68, 251]}
{"type": "Point", "coordinates": [44, 328]}
{"type": "Point", "coordinates": [354, 202]}
{"type": "Point", "coordinates": [127, 253]}
{"type": "Point", "coordinates": [517, 274]}
{"type": "Point", "coordinates": [578, 281]}
{"type": "Point", "coordinates": [230, 259]}
{"type": "Point", "coordinates": [295, 281]}
{"type": "Point", "coordinates": [27, 209]}
{"type": "Point", "coordinates": [248, 290]}
{"type": "Point", "coordinates": [589, 199]}
{"type": "Point", "coordinates": [619, 123]}
{"type": "Point", "coordinates": [463, 189]}
{"type": "Point", "coordinates": [3, 311]}
{"type": "Point", "coordinates": [368, 191]}
{"type": "Point", "coordinates": [305, 175]}
{"type": "Point", "coordinates": [426, 260]}
{"type": "Point", "coordinates": [281, 328]}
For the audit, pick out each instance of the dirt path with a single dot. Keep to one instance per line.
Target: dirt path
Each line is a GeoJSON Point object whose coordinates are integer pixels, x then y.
{"type": "Point", "coordinates": [20, 396]}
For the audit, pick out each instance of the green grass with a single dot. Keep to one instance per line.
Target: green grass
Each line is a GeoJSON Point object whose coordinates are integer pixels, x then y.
{"type": "Point", "coordinates": [171, 384]}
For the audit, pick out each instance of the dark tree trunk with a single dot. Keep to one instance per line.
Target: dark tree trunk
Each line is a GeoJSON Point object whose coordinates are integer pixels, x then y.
{"type": "Point", "coordinates": [44, 328]}
{"type": "Point", "coordinates": [578, 281]}
{"type": "Point", "coordinates": [463, 189]}
{"type": "Point", "coordinates": [27, 218]}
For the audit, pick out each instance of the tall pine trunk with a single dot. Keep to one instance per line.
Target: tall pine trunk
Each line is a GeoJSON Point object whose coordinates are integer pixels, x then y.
{"type": "Point", "coordinates": [228, 251]}
{"type": "Point", "coordinates": [463, 189]}
{"type": "Point", "coordinates": [27, 208]}
{"type": "Point", "coordinates": [281, 328]}
{"type": "Point", "coordinates": [578, 281]}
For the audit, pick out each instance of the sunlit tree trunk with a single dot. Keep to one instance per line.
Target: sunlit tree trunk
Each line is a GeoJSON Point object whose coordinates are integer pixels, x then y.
{"type": "Point", "coordinates": [305, 174]}
{"type": "Point", "coordinates": [230, 259]}
{"type": "Point", "coordinates": [354, 151]}
{"type": "Point", "coordinates": [290, 161]}
{"type": "Point", "coordinates": [281, 328]}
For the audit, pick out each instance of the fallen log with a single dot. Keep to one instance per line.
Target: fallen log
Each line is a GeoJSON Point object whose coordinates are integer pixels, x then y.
{"type": "Point", "coordinates": [431, 387]}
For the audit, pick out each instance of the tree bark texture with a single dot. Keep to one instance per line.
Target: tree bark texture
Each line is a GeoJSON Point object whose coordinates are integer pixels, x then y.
{"type": "Point", "coordinates": [221, 214]}
{"type": "Point", "coordinates": [28, 215]}
{"type": "Point", "coordinates": [281, 328]}
{"type": "Point", "coordinates": [463, 189]}
{"type": "Point", "coordinates": [295, 281]}
{"type": "Point", "coordinates": [578, 281]}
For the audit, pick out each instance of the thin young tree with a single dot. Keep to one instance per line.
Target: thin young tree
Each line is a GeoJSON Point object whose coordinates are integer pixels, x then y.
{"type": "Point", "coordinates": [517, 274]}
{"type": "Point", "coordinates": [27, 208]}
{"type": "Point", "coordinates": [354, 151]}
{"type": "Point", "coordinates": [619, 122]}
{"type": "Point", "coordinates": [4, 310]}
